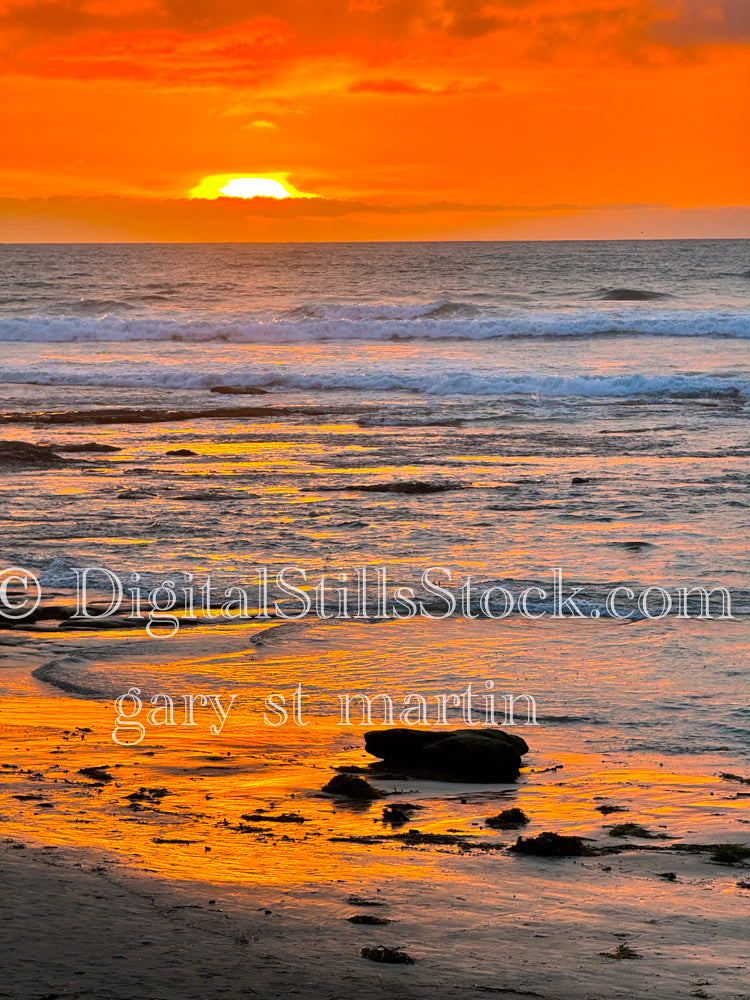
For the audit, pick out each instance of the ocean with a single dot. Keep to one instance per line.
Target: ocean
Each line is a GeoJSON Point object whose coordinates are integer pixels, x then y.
{"type": "Point", "coordinates": [498, 410]}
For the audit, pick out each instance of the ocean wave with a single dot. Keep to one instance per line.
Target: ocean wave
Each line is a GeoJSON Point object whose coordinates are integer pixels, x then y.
{"type": "Point", "coordinates": [427, 382]}
{"type": "Point", "coordinates": [383, 322]}
{"type": "Point", "coordinates": [68, 674]}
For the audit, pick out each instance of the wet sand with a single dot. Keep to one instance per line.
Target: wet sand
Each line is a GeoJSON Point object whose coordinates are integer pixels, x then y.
{"type": "Point", "coordinates": [84, 926]}
{"type": "Point", "coordinates": [128, 894]}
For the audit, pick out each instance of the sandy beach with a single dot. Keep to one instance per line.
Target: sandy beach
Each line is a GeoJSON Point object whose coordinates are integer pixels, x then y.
{"type": "Point", "coordinates": [142, 878]}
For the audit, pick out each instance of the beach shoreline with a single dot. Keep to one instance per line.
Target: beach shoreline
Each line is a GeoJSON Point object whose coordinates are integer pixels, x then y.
{"type": "Point", "coordinates": [100, 854]}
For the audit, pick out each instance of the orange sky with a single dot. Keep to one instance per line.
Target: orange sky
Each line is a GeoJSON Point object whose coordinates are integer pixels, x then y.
{"type": "Point", "coordinates": [424, 119]}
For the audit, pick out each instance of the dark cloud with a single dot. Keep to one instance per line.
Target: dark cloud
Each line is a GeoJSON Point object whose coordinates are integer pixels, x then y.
{"type": "Point", "coordinates": [306, 18]}
{"type": "Point", "coordinates": [238, 208]}
{"type": "Point", "coordinates": [242, 38]}
{"type": "Point", "coordinates": [701, 22]}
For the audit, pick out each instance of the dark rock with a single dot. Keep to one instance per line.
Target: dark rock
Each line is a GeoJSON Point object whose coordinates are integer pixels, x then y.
{"type": "Point", "coordinates": [379, 953]}
{"type": "Point", "coordinates": [473, 755]}
{"type": "Point", "coordinates": [508, 819]}
{"type": "Point", "coordinates": [100, 773]}
{"type": "Point", "coordinates": [413, 837]}
{"type": "Point", "coordinates": [606, 809]}
{"type": "Point", "coordinates": [632, 295]}
{"type": "Point", "coordinates": [363, 901]}
{"type": "Point", "coordinates": [22, 624]}
{"type": "Point", "coordinates": [395, 816]}
{"type": "Point", "coordinates": [265, 817]}
{"type": "Point", "coordinates": [368, 918]}
{"type": "Point", "coordinates": [99, 623]}
{"type": "Point", "coordinates": [349, 786]}
{"type": "Point", "coordinates": [412, 487]}
{"type": "Point", "coordinates": [728, 776]}
{"type": "Point", "coordinates": [550, 845]}
{"type": "Point", "coordinates": [87, 446]}
{"type": "Point", "coordinates": [174, 840]}
{"type": "Point", "coordinates": [181, 452]}
{"type": "Point", "coordinates": [238, 390]}
{"type": "Point", "coordinates": [148, 794]}
{"type": "Point", "coordinates": [28, 455]}
{"type": "Point", "coordinates": [634, 545]}
{"type": "Point", "coordinates": [579, 481]}
{"type": "Point", "coordinates": [398, 813]}
{"type": "Point", "coordinates": [53, 612]}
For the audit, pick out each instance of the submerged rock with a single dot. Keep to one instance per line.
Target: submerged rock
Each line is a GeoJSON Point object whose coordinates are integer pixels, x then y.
{"type": "Point", "coordinates": [28, 455]}
{"type": "Point", "coordinates": [95, 447]}
{"type": "Point", "coordinates": [238, 390]}
{"type": "Point", "coordinates": [473, 755]}
{"type": "Point", "coordinates": [632, 295]}
{"type": "Point", "coordinates": [418, 486]}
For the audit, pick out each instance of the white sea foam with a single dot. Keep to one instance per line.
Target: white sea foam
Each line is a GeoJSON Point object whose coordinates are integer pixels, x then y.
{"type": "Point", "coordinates": [383, 322]}
{"type": "Point", "coordinates": [424, 380]}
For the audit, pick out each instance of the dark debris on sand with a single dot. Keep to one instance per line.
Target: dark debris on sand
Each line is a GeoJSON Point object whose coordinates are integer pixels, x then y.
{"type": "Point", "coordinates": [728, 776]}
{"type": "Point", "coordinates": [621, 951]}
{"type": "Point", "coordinates": [369, 919]}
{"type": "Point", "coordinates": [152, 795]}
{"type": "Point", "coordinates": [730, 854]}
{"type": "Point", "coordinates": [263, 817]}
{"type": "Point", "coordinates": [380, 953]}
{"type": "Point", "coordinates": [99, 774]}
{"type": "Point", "coordinates": [551, 845]}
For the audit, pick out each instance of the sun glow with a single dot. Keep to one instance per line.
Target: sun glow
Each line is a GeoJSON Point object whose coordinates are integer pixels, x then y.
{"type": "Point", "coordinates": [254, 187]}
{"type": "Point", "coordinates": [231, 186]}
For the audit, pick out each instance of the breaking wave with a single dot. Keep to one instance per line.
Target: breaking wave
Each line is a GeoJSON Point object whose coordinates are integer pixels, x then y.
{"type": "Point", "coordinates": [382, 322]}
{"type": "Point", "coordinates": [426, 381]}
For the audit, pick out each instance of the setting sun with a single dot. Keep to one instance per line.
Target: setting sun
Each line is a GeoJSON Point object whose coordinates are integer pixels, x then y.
{"type": "Point", "coordinates": [275, 185]}
{"type": "Point", "coordinates": [254, 187]}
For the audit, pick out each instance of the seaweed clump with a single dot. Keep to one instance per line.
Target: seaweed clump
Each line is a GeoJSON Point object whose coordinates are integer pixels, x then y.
{"type": "Point", "coordinates": [508, 819]}
{"type": "Point", "coordinates": [550, 845]}
{"type": "Point", "coordinates": [349, 786]}
{"type": "Point", "coordinates": [630, 830]}
{"type": "Point", "coordinates": [730, 854]}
